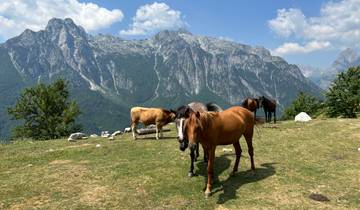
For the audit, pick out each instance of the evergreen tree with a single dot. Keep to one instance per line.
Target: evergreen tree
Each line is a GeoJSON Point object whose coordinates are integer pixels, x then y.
{"type": "Point", "coordinates": [303, 103]}
{"type": "Point", "coordinates": [45, 112]}
{"type": "Point", "coordinates": [343, 98]}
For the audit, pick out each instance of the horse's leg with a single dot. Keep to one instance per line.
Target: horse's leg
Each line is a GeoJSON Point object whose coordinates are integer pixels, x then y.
{"type": "Point", "coordinates": [269, 118]}
{"type": "Point", "coordinates": [210, 170]}
{"type": "Point", "coordinates": [238, 155]}
{"type": "Point", "coordinates": [133, 127]}
{"type": "Point", "coordinates": [157, 132]}
{"type": "Point", "coordinates": [206, 155]}
{"type": "Point", "coordinates": [266, 117]}
{"type": "Point", "coordinates": [196, 151]}
{"type": "Point", "coordinates": [248, 139]}
{"type": "Point", "coordinates": [192, 158]}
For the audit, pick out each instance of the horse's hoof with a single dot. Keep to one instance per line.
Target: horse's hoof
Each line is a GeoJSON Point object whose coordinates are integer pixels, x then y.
{"type": "Point", "coordinates": [190, 174]}
{"type": "Point", "coordinates": [207, 194]}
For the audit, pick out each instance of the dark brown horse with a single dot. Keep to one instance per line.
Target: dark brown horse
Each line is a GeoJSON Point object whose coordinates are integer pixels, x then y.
{"type": "Point", "coordinates": [220, 128]}
{"type": "Point", "coordinates": [269, 106]}
{"type": "Point", "coordinates": [251, 104]}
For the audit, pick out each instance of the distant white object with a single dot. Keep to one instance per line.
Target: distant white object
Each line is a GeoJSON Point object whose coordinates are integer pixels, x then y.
{"type": "Point", "coordinates": [227, 150]}
{"type": "Point", "coordinates": [111, 138]}
{"type": "Point", "coordinates": [76, 136]}
{"type": "Point", "coordinates": [127, 130]}
{"type": "Point", "coordinates": [302, 117]}
{"type": "Point", "coordinates": [359, 149]}
{"type": "Point", "coordinates": [98, 145]}
{"type": "Point", "coordinates": [105, 134]}
{"type": "Point", "coordinates": [94, 136]}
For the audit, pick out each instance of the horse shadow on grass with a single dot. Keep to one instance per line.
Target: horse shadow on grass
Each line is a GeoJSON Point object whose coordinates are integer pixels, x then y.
{"type": "Point", "coordinates": [229, 186]}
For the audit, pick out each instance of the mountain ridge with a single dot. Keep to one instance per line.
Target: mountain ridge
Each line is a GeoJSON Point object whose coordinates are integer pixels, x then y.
{"type": "Point", "coordinates": [169, 69]}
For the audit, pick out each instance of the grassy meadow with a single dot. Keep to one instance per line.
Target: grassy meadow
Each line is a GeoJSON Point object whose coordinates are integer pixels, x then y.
{"type": "Point", "coordinates": [293, 160]}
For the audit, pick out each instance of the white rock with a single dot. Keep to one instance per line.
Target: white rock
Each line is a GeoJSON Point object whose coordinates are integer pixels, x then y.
{"type": "Point", "coordinates": [98, 145]}
{"type": "Point", "coordinates": [76, 136]}
{"type": "Point", "coordinates": [105, 134]}
{"type": "Point", "coordinates": [116, 133]}
{"type": "Point", "coordinates": [126, 130]}
{"type": "Point", "coordinates": [359, 149]}
{"type": "Point", "coordinates": [111, 138]}
{"type": "Point", "coordinates": [94, 136]}
{"type": "Point", "coordinates": [227, 150]}
{"type": "Point", "coordinates": [302, 117]}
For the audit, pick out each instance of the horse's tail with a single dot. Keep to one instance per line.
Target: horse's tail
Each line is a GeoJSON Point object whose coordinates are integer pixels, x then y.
{"type": "Point", "coordinates": [213, 107]}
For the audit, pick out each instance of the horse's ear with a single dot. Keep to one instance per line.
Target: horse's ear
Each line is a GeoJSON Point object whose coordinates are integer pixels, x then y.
{"type": "Point", "coordinates": [198, 114]}
{"type": "Point", "coordinates": [187, 112]}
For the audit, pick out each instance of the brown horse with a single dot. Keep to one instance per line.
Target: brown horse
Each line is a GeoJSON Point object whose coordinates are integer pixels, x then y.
{"type": "Point", "coordinates": [220, 128]}
{"type": "Point", "coordinates": [269, 106]}
{"type": "Point", "coordinates": [251, 104]}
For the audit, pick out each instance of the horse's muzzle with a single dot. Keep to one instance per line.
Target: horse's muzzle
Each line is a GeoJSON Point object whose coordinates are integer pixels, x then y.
{"type": "Point", "coordinates": [183, 145]}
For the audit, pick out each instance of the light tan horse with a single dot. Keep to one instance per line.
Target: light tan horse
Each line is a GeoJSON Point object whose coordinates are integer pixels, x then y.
{"type": "Point", "coordinates": [222, 128]}
{"type": "Point", "coordinates": [147, 116]}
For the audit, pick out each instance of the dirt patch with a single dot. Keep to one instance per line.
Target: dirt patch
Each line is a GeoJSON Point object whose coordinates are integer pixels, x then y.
{"type": "Point", "coordinates": [94, 195]}
{"type": "Point", "coordinates": [220, 207]}
{"type": "Point", "coordinates": [33, 202]}
{"type": "Point", "coordinates": [60, 162]}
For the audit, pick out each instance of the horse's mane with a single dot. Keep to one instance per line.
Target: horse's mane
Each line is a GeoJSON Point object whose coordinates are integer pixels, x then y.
{"type": "Point", "coordinates": [207, 118]}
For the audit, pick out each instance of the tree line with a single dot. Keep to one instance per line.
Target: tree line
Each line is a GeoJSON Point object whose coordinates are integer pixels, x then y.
{"type": "Point", "coordinates": [341, 100]}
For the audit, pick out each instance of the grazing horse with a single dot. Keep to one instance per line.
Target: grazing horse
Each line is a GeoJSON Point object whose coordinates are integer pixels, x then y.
{"type": "Point", "coordinates": [220, 128]}
{"type": "Point", "coordinates": [251, 104]}
{"type": "Point", "coordinates": [147, 116]}
{"type": "Point", "coordinates": [179, 121]}
{"type": "Point", "coordinates": [269, 106]}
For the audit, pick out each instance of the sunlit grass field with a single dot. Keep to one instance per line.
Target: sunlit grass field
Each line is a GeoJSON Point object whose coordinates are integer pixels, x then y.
{"type": "Point", "coordinates": [293, 160]}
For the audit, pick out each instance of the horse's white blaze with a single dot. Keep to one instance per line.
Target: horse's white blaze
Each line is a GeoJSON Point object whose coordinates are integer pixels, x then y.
{"type": "Point", "coordinates": [180, 129]}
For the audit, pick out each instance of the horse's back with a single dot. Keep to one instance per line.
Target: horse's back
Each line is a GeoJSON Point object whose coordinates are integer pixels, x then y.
{"type": "Point", "coordinates": [145, 115]}
{"type": "Point", "coordinates": [197, 106]}
{"type": "Point", "coordinates": [234, 122]}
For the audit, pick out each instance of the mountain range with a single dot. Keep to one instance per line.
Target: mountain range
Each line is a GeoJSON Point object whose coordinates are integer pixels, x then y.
{"type": "Point", "coordinates": [323, 77]}
{"type": "Point", "coordinates": [107, 74]}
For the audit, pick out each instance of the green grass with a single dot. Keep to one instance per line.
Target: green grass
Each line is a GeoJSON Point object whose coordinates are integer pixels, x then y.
{"type": "Point", "coordinates": [293, 160]}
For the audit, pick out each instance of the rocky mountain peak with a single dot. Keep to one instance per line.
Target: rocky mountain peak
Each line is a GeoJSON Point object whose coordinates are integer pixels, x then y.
{"type": "Point", "coordinates": [62, 28]}
{"type": "Point", "coordinates": [346, 58]}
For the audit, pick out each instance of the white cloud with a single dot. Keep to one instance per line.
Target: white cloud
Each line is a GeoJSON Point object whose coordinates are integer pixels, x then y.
{"type": "Point", "coordinates": [18, 15]}
{"type": "Point", "coordinates": [151, 18]}
{"type": "Point", "coordinates": [338, 23]}
{"type": "Point", "coordinates": [288, 22]}
{"type": "Point", "coordinates": [295, 48]}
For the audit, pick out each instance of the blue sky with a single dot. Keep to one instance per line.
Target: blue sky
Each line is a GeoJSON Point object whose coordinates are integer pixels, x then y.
{"type": "Point", "coordinates": [303, 32]}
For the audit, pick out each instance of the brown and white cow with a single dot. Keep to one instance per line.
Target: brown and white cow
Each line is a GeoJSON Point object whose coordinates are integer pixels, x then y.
{"type": "Point", "coordinates": [147, 116]}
